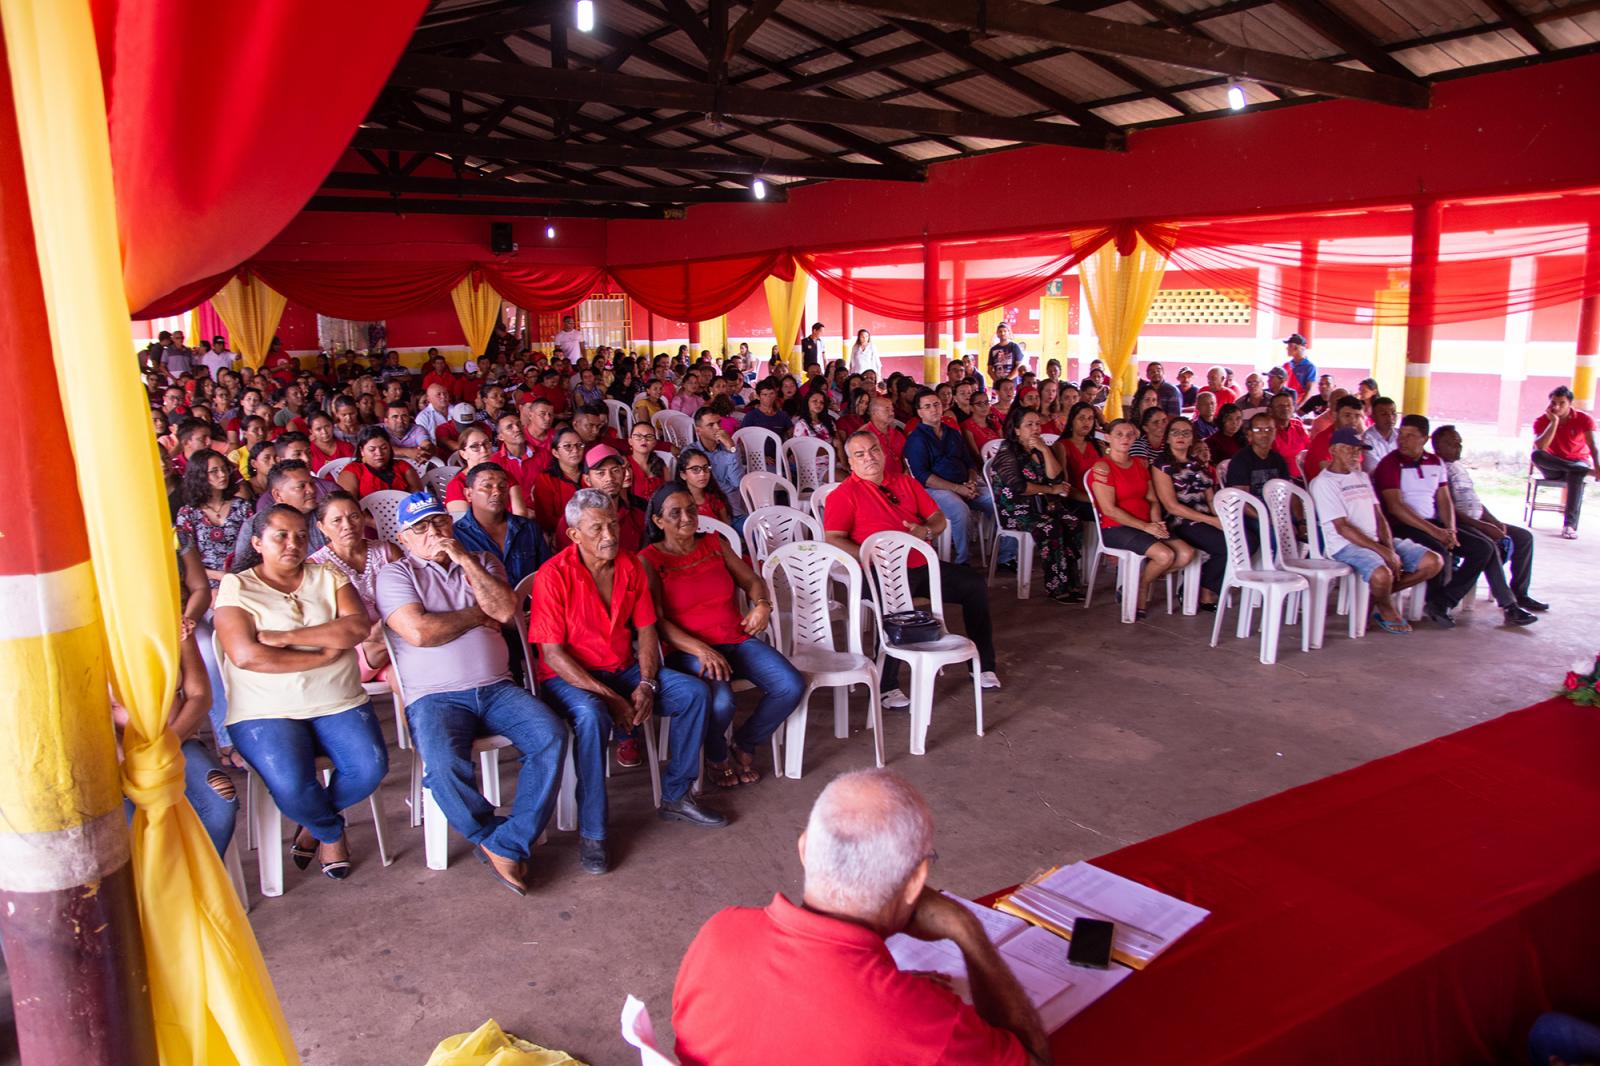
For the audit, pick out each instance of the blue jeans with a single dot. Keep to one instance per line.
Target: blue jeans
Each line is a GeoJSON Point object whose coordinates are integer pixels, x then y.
{"type": "Point", "coordinates": [1572, 1039]}
{"type": "Point", "coordinates": [682, 698]}
{"type": "Point", "coordinates": [217, 814]}
{"type": "Point", "coordinates": [763, 666]}
{"type": "Point", "coordinates": [443, 727]}
{"type": "Point", "coordinates": [958, 512]}
{"type": "Point", "coordinates": [219, 702]}
{"type": "Point", "coordinates": [284, 752]}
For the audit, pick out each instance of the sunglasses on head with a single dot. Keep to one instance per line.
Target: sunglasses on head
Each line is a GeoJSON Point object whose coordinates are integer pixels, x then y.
{"type": "Point", "coordinates": [892, 498]}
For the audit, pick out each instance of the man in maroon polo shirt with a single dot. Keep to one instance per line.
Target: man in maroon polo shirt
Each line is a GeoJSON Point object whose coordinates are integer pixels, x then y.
{"type": "Point", "coordinates": [815, 983]}
{"type": "Point", "coordinates": [875, 498]}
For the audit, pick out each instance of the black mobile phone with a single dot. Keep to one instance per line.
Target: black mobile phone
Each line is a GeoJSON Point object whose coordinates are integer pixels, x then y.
{"type": "Point", "coordinates": [1091, 943]}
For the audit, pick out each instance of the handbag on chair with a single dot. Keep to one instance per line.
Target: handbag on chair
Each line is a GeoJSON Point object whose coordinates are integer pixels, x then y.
{"type": "Point", "coordinates": [912, 627]}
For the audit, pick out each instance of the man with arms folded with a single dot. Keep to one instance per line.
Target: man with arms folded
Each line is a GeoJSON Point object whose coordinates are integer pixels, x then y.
{"type": "Point", "coordinates": [589, 602]}
{"type": "Point", "coordinates": [444, 606]}
{"type": "Point", "coordinates": [815, 983]}
{"type": "Point", "coordinates": [1354, 531]}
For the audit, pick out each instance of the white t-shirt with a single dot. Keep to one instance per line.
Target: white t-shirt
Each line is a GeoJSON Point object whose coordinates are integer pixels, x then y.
{"type": "Point", "coordinates": [1381, 446]}
{"type": "Point", "coordinates": [217, 362]}
{"type": "Point", "coordinates": [1348, 496]}
{"type": "Point", "coordinates": [864, 357]}
{"type": "Point", "coordinates": [569, 342]}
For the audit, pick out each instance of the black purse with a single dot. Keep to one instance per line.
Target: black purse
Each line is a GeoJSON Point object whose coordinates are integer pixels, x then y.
{"type": "Point", "coordinates": [912, 627]}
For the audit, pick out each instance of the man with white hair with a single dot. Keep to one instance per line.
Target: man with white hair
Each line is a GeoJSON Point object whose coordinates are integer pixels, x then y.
{"type": "Point", "coordinates": [816, 983]}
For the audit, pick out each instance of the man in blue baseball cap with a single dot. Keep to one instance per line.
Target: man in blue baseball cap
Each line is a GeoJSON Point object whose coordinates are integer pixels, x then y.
{"type": "Point", "coordinates": [1301, 370]}
{"type": "Point", "coordinates": [444, 607]}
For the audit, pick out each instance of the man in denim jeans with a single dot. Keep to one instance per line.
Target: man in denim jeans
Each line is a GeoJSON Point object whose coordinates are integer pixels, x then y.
{"type": "Point", "coordinates": [446, 606]}
{"type": "Point", "coordinates": [589, 602]}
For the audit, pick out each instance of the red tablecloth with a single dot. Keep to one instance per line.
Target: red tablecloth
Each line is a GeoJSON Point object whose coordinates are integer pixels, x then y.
{"type": "Point", "coordinates": [1423, 908]}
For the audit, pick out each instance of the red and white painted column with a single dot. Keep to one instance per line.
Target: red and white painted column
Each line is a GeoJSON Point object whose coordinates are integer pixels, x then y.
{"type": "Point", "coordinates": [1426, 218]}
{"type": "Point", "coordinates": [1583, 375]}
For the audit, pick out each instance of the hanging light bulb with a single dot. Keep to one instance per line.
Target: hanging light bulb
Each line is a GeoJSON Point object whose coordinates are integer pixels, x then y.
{"type": "Point", "coordinates": [1236, 100]}
{"type": "Point", "coordinates": [586, 15]}
{"type": "Point", "coordinates": [759, 189]}
{"type": "Point", "coordinates": [549, 233]}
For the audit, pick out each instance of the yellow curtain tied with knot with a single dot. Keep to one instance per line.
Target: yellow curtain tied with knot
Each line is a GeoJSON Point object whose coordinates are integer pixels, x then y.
{"type": "Point", "coordinates": [251, 309]}
{"type": "Point", "coordinates": [478, 308]}
{"type": "Point", "coordinates": [1120, 281]}
{"type": "Point", "coordinates": [786, 303]}
{"type": "Point", "coordinates": [210, 995]}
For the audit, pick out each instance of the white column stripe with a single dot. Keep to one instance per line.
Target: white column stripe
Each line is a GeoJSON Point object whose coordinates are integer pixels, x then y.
{"type": "Point", "coordinates": [32, 605]}
{"type": "Point", "coordinates": [50, 862]}
{"type": "Point", "coordinates": [1588, 360]}
{"type": "Point", "coordinates": [1418, 370]}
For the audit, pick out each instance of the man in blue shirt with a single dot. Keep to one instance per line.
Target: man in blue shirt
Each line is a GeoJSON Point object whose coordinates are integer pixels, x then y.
{"type": "Point", "coordinates": [939, 458]}
{"type": "Point", "coordinates": [727, 469]}
{"type": "Point", "coordinates": [1302, 371]}
{"type": "Point", "coordinates": [489, 526]}
{"type": "Point", "coordinates": [1167, 394]}
{"type": "Point", "coordinates": [766, 414]}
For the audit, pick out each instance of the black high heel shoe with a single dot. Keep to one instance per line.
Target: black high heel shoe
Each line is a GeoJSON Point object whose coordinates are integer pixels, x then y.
{"type": "Point", "coordinates": [302, 856]}
{"type": "Point", "coordinates": [338, 869]}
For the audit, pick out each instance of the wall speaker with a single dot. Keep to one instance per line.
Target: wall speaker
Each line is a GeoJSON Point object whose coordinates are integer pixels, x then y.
{"type": "Point", "coordinates": [500, 239]}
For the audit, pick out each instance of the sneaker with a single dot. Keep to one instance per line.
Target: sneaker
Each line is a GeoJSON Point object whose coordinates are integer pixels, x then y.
{"type": "Point", "coordinates": [988, 680]}
{"type": "Point", "coordinates": [1569, 532]}
{"type": "Point", "coordinates": [1516, 616]}
{"type": "Point", "coordinates": [1528, 603]}
{"type": "Point", "coordinates": [592, 856]}
{"type": "Point", "coordinates": [628, 753]}
{"type": "Point", "coordinates": [895, 700]}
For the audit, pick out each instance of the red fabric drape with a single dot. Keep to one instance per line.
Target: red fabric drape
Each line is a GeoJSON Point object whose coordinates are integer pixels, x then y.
{"type": "Point", "coordinates": [975, 273]}
{"type": "Point", "coordinates": [363, 291]}
{"type": "Point", "coordinates": [695, 290]}
{"type": "Point", "coordinates": [184, 297]}
{"type": "Point", "coordinates": [262, 99]}
{"type": "Point", "coordinates": [542, 288]}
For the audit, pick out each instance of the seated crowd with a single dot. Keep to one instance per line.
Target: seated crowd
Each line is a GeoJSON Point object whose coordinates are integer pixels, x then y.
{"type": "Point", "coordinates": [293, 605]}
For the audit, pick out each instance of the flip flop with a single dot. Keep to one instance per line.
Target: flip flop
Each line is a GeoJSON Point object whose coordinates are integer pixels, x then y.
{"type": "Point", "coordinates": [1387, 626]}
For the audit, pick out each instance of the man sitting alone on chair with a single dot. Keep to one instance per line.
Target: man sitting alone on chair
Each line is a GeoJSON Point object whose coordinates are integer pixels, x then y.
{"type": "Point", "coordinates": [446, 605]}
{"type": "Point", "coordinates": [1355, 533]}
{"type": "Point", "coordinates": [815, 982]}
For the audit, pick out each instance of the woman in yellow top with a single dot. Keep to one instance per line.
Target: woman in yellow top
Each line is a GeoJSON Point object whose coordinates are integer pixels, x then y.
{"type": "Point", "coordinates": [288, 630]}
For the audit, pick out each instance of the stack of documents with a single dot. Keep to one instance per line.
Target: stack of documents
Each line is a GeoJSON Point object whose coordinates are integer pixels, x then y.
{"type": "Point", "coordinates": [1147, 922]}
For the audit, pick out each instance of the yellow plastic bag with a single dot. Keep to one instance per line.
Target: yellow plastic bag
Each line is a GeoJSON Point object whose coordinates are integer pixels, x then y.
{"type": "Point", "coordinates": [490, 1045]}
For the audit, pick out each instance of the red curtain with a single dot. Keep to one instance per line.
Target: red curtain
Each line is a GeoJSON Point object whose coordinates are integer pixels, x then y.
{"type": "Point", "coordinates": [1332, 264]}
{"type": "Point", "coordinates": [184, 297]}
{"type": "Point", "coordinates": [224, 118]}
{"type": "Point", "coordinates": [542, 288]}
{"type": "Point", "coordinates": [975, 273]}
{"type": "Point", "coordinates": [696, 290]}
{"type": "Point", "coordinates": [363, 291]}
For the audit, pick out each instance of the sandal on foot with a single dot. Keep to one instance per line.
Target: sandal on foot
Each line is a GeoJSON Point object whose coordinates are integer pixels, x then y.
{"type": "Point", "coordinates": [745, 767]}
{"type": "Point", "coordinates": [723, 775]}
{"type": "Point", "coordinates": [1400, 626]}
{"type": "Point", "coordinates": [302, 856]}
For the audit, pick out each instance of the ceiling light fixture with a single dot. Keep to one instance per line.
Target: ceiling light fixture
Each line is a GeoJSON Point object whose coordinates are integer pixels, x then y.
{"type": "Point", "coordinates": [759, 189]}
{"type": "Point", "coordinates": [1236, 99]}
{"type": "Point", "coordinates": [549, 233]}
{"type": "Point", "coordinates": [586, 16]}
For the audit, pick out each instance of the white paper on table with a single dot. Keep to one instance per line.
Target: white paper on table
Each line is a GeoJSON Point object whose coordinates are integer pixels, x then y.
{"type": "Point", "coordinates": [1066, 989]}
{"type": "Point", "coordinates": [1147, 921]}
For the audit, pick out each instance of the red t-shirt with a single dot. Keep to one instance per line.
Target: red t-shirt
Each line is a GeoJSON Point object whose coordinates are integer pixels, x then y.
{"type": "Point", "coordinates": [1317, 452]}
{"type": "Point", "coordinates": [810, 988]}
{"type": "Point", "coordinates": [342, 449]}
{"type": "Point", "coordinates": [859, 508]}
{"type": "Point", "coordinates": [1290, 441]}
{"type": "Point", "coordinates": [1570, 442]}
{"type": "Point", "coordinates": [1223, 395]}
{"type": "Point", "coordinates": [567, 609]}
{"type": "Point", "coordinates": [550, 495]}
{"type": "Point", "coordinates": [698, 591]}
{"type": "Point", "coordinates": [1078, 459]}
{"type": "Point", "coordinates": [630, 528]}
{"type": "Point", "coordinates": [893, 444]}
{"type": "Point", "coordinates": [1131, 484]}
{"type": "Point", "coordinates": [368, 481]}
{"type": "Point", "coordinates": [556, 395]}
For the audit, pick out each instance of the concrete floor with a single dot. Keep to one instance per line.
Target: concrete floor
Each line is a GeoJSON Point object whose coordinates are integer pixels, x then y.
{"type": "Point", "coordinates": [1103, 735]}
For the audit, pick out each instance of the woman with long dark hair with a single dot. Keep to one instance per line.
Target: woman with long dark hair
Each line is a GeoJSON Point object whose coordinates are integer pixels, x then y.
{"type": "Point", "coordinates": [1186, 487]}
{"type": "Point", "coordinates": [212, 514]}
{"type": "Point", "coordinates": [694, 475]}
{"type": "Point", "coordinates": [375, 468]}
{"type": "Point", "coordinates": [1031, 492]}
{"type": "Point", "coordinates": [560, 481]}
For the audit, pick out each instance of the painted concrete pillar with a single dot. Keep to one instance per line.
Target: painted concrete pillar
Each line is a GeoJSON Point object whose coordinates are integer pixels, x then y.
{"type": "Point", "coordinates": [931, 352]}
{"type": "Point", "coordinates": [1426, 217]}
{"type": "Point", "coordinates": [1583, 375]}
{"type": "Point", "coordinates": [1514, 361]}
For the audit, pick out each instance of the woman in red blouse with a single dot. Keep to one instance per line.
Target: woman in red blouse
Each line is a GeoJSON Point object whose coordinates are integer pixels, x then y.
{"type": "Point", "coordinates": [981, 426]}
{"type": "Point", "coordinates": [694, 580]}
{"type": "Point", "coordinates": [694, 474]}
{"type": "Point", "coordinates": [564, 477]}
{"type": "Point", "coordinates": [375, 468]}
{"type": "Point", "coordinates": [325, 447]}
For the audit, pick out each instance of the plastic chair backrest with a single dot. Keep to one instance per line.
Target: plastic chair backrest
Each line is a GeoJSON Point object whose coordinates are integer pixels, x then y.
{"type": "Point", "coordinates": [707, 524]}
{"type": "Point", "coordinates": [674, 426]}
{"type": "Point", "coordinates": [669, 466]}
{"type": "Point", "coordinates": [884, 556]}
{"type": "Point", "coordinates": [1088, 476]}
{"type": "Point", "coordinates": [809, 567]}
{"type": "Point", "coordinates": [333, 468]}
{"type": "Point", "coordinates": [620, 416]}
{"type": "Point", "coordinates": [1278, 493]}
{"type": "Point", "coordinates": [1049, 439]}
{"type": "Point", "coordinates": [819, 500]}
{"type": "Point", "coordinates": [1222, 471]}
{"type": "Point", "coordinates": [760, 489]}
{"type": "Point", "coordinates": [766, 529]}
{"type": "Point", "coordinates": [988, 484]}
{"type": "Point", "coordinates": [438, 479]}
{"type": "Point", "coordinates": [384, 507]}
{"type": "Point", "coordinates": [990, 448]}
{"type": "Point", "coordinates": [759, 449]}
{"type": "Point", "coordinates": [523, 592]}
{"type": "Point", "coordinates": [1234, 508]}
{"type": "Point", "coordinates": [811, 461]}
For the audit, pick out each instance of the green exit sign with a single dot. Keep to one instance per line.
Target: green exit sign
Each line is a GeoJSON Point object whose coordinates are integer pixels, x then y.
{"type": "Point", "coordinates": [1053, 286]}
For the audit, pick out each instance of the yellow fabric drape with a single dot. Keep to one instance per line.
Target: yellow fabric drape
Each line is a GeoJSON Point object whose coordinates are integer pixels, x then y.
{"type": "Point", "coordinates": [988, 322]}
{"type": "Point", "coordinates": [251, 309]}
{"type": "Point", "coordinates": [478, 308]}
{"type": "Point", "coordinates": [786, 303]}
{"type": "Point", "coordinates": [210, 994]}
{"type": "Point", "coordinates": [1118, 290]}
{"type": "Point", "coordinates": [713, 337]}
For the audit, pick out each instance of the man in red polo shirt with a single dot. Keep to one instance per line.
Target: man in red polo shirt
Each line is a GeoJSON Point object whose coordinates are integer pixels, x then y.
{"type": "Point", "coordinates": [873, 499]}
{"type": "Point", "coordinates": [1291, 438]}
{"type": "Point", "coordinates": [589, 602]}
{"type": "Point", "coordinates": [880, 420]}
{"type": "Point", "coordinates": [1348, 413]}
{"type": "Point", "coordinates": [815, 983]}
{"type": "Point", "coordinates": [1564, 450]}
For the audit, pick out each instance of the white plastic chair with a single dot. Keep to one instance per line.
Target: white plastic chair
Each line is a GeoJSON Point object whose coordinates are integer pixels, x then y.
{"type": "Point", "coordinates": [760, 489]}
{"type": "Point", "coordinates": [384, 507]}
{"type": "Point", "coordinates": [818, 502]}
{"type": "Point", "coordinates": [989, 450]}
{"type": "Point", "coordinates": [805, 635]}
{"type": "Point", "coordinates": [760, 450]}
{"type": "Point", "coordinates": [884, 556]}
{"type": "Point", "coordinates": [707, 524]}
{"type": "Point", "coordinates": [619, 416]}
{"type": "Point", "coordinates": [1307, 559]}
{"type": "Point", "coordinates": [810, 462]}
{"type": "Point", "coordinates": [669, 465]}
{"type": "Point", "coordinates": [1129, 565]}
{"type": "Point", "coordinates": [1049, 439]}
{"type": "Point", "coordinates": [1023, 538]}
{"type": "Point", "coordinates": [766, 529]}
{"type": "Point", "coordinates": [333, 467]}
{"type": "Point", "coordinates": [640, 1033]}
{"type": "Point", "coordinates": [438, 479]}
{"type": "Point", "coordinates": [567, 796]}
{"type": "Point", "coordinates": [674, 426]}
{"type": "Point", "coordinates": [1255, 577]}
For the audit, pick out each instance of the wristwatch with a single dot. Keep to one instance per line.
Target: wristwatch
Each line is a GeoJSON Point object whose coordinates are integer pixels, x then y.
{"type": "Point", "coordinates": [650, 682]}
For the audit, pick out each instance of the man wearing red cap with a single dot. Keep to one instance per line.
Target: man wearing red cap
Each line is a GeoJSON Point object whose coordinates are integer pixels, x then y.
{"type": "Point", "coordinates": [604, 469]}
